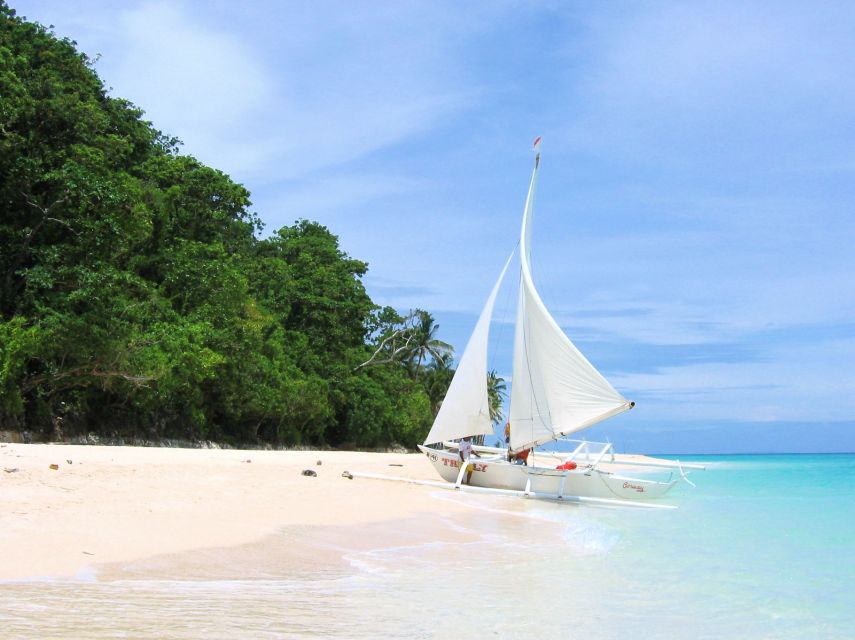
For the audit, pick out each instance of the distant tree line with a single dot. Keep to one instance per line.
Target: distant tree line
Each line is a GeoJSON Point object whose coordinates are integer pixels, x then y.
{"type": "Point", "coordinates": [137, 299]}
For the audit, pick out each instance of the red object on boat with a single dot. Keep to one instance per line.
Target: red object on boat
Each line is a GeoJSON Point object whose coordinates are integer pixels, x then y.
{"type": "Point", "coordinates": [567, 466]}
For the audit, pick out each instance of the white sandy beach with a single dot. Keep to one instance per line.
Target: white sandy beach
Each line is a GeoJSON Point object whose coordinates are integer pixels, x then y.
{"type": "Point", "coordinates": [108, 504]}
{"type": "Point", "coordinates": [187, 543]}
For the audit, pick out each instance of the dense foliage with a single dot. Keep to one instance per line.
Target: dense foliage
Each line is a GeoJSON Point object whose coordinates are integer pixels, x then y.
{"type": "Point", "coordinates": [137, 299]}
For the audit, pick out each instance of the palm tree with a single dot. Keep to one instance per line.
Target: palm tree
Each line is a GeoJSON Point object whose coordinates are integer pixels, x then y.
{"type": "Point", "coordinates": [424, 343]}
{"type": "Point", "coordinates": [437, 379]}
{"type": "Point", "coordinates": [406, 341]}
{"type": "Point", "coordinates": [496, 394]}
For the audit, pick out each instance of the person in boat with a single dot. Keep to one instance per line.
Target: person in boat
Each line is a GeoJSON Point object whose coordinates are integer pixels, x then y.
{"type": "Point", "coordinates": [508, 439]}
{"type": "Point", "coordinates": [466, 451]}
{"type": "Point", "coordinates": [520, 457]}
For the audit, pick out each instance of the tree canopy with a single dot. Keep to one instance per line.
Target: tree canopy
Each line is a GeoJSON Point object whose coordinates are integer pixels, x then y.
{"type": "Point", "coordinates": [139, 300]}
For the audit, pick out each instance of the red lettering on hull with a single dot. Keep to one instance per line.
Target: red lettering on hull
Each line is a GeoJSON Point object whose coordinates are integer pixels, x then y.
{"type": "Point", "coordinates": [450, 462]}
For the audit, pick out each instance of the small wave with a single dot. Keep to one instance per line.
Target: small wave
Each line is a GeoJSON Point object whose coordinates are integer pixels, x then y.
{"type": "Point", "coordinates": [86, 574]}
{"type": "Point", "coordinates": [574, 527]}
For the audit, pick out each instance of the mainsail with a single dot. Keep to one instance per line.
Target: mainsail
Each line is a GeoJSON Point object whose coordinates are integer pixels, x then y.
{"type": "Point", "coordinates": [465, 411]}
{"type": "Point", "coordinates": [555, 390]}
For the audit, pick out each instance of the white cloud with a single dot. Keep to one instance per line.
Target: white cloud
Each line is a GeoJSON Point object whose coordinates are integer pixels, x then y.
{"type": "Point", "coordinates": [194, 81]}
{"type": "Point", "coordinates": [356, 78]}
{"type": "Point", "coordinates": [326, 196]}
{"type": "Point", "coordinates": [195, 76]}
{"type": "Point", "coordinates": [277, 91]}
{"type": "Point", "coordinates": [796, 382]}
{"type": "Point", "coordinates": [692, 84]}
{"type": "Point", "coordinates": [314, 87]}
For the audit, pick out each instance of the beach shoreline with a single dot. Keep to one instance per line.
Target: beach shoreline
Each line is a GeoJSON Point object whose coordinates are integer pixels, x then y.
{"type": "Point", "coordinates": [69, 507]}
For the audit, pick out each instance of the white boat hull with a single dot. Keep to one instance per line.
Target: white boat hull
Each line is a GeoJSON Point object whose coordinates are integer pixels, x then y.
{"type": "Point", "coordinates": [496, 473]}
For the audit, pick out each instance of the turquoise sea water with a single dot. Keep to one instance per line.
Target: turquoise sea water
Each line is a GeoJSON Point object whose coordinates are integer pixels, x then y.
{"type": "Point", "coordinates": [764, 547]}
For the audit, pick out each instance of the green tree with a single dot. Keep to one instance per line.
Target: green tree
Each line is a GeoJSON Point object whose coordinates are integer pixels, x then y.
{"type": "Point", "coordinates": [136, 299]}
{"type": "Point", "coordinates": [496, 395]}
{"type": "Point", "coordinates": [437, 378]}
{"type": "Point", "coordinates": [425, 344]}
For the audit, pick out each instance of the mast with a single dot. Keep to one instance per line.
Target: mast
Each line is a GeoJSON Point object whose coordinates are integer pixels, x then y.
{"type": "Point", "coordinates": [555, 390]}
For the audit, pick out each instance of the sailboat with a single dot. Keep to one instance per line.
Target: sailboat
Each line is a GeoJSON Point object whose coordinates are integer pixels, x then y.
{"type": "Point", "coordinates": [555, 392]}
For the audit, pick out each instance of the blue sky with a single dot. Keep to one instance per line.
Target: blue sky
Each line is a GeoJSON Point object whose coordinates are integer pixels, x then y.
{"type": "Point", "coordinates": [695, 208]}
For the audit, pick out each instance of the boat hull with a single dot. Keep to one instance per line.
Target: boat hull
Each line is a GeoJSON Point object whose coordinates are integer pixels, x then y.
{"type": "Point", "coordinates": [497, 473]}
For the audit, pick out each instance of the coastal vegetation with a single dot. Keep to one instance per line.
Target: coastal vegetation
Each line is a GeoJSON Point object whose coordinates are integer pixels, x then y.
{"type": "Point", "coordinates": [139, 299]}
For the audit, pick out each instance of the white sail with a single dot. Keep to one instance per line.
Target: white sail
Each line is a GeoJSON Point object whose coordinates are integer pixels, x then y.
{"type": "Point", "coordinates": [465, 411]}
{"type": "Point", "coordinates": [555, 390]}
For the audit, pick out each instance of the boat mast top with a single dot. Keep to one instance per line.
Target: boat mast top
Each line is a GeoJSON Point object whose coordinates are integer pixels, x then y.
{"type": "Point", "coordinates": [555, 390]}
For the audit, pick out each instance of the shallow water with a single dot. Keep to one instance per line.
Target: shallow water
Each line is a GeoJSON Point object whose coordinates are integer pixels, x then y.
{"type": "Point", "coordinates": [764, 547]}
